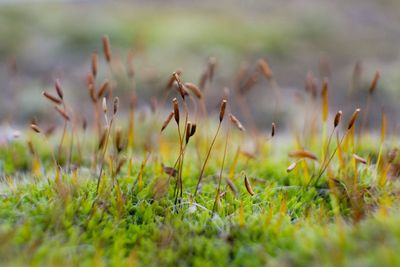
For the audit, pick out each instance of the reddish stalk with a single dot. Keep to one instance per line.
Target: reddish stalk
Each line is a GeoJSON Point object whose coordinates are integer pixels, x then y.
{"type": "Point", "coordinates": [221, 116]}
{"type": "Point", "coordinates": [220, 172]}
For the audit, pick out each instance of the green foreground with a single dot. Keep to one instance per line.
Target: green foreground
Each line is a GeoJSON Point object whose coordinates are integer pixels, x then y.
{"type": "Point", "coordinates": [52, 222]}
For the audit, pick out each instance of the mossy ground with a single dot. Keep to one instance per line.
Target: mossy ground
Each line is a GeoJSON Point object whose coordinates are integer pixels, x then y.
{"type": "Point", "coordinates": [347, 215]}
{"type": "Point", "coordinates": [52, 222]}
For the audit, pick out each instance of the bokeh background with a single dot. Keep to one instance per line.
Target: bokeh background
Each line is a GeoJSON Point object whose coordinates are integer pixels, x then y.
{"type": "Point", "coordinates": [44, 40]}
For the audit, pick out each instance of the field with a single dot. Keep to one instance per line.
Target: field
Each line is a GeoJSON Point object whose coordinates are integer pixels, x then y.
{"type": "Point", "coordinates": [205, 193]}
{"type": "Point", "coordinates": [197, 174]}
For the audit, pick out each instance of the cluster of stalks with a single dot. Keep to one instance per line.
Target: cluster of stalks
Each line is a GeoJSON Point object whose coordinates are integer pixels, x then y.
{"type": "Point", "coordinates": [99, 97]}
{"type": "Point", "coordinates": [348, 178]}
{"type": "Point", "coordinates": [105, 136]}
{"type": "Point", "coordinates": [188, 107]}
{"type": "Point", "coordinates": [59, 101]}
{"type": "Point", "coordinates": [185, 133]}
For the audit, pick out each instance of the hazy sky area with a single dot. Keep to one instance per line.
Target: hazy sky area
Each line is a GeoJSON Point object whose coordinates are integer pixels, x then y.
{"type": "Point", "coordinates": [44, 40]}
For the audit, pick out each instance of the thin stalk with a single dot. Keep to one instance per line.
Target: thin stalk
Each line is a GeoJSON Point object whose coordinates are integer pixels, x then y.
{"type": "Point", "coordinates": [324, 133]}
{"type": "Point", "coordinates": [220, 172]}
{"type": "Point", "coordinates": [103, 155]}
{"type": "Point", "coordinates": [131, 128]}
{"type": "Point", "coordinates": [179, 182]}
{"type": "Point", "coordinates": [79, 146]}
{"type": "Point", "coordinates": [184, 149]}
{"type": "Point", "coordinates": [323, 168]}
{"type": "Point", "coordinates": [70, 149]}
{"type": "Point", "coordinates": [178, 160]}
{"type": "Point", "coordinates": [326, 151]}
{"type": "Point", "coordinates": [62, 136]}
{"type": "Point", "coordinates": [206, 160]}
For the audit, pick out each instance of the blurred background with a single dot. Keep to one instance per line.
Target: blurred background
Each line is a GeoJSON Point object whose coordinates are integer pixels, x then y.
{"type": "Point", "coordinates": [44, 40]}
